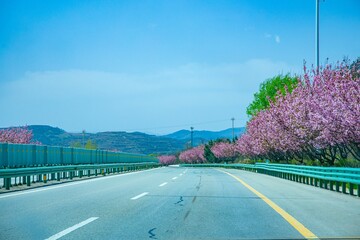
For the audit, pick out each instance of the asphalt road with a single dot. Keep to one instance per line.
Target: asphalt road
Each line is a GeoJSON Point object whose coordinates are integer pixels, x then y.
{"type": "Point", "coordinates": [179, 203]}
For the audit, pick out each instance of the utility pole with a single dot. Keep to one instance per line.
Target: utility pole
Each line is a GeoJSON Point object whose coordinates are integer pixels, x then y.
{"type": "Point", "coordinates": [192, 140]}
{"type": "Point", "coordinates": [233, 133]}
{"type": "Point", "coordinates": [83, 132]}
{"type": "Point", "coordinates": [317, 34]}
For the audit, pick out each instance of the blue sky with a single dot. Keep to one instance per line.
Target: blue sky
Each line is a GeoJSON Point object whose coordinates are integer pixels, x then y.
{"type": "Point", "coordinates": [157, 66]}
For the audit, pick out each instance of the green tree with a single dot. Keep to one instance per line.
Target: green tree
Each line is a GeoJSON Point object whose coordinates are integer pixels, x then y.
{"type": "Point", "coordinates": [268, 90]}
{"type": "Point", "coordinates": [90, 145]}
{"type": "Point", "coordinates": [209, 155]}
{"type": "Point", "coordinates": [76, 145]}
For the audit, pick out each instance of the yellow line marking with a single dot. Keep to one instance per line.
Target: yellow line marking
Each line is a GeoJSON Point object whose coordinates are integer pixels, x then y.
{"type": "Point", "coordinates": [290, 219]}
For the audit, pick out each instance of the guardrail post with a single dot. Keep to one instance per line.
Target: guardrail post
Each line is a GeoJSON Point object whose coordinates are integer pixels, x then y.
{"type": "Point", "coordinates": [7, 183]}
{"type": "Point", "coordinates": [343, 188]}
{"type": "Point", "coordinates": [358, 190]}
{"type": "Point", "coordinates": [71, 175]}
{"type": "Point", "coordinates": [337, 186]}
{"type": "Point", "coordinates": [331, 185]}
{"type": "Point", "coordinates": [96, 172]}
{"type": "Point", "coordinates": [351, 189]}
{"type": "Point", "coordinates": [45, 178]}
{"type": "Point", "coordinates": [58, 176]}
{"type": "Point", "coordinates": [24, 180]}
{"type": "Point", "coordinates": [89, 174]}
{"type": "Point", "coordinates": [80, 174]}
{"type": "Point", "coordinates": [28, 182]}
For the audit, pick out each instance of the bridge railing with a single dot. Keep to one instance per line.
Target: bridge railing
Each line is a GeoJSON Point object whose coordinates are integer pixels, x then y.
{"type": "Point", "coordinates": [27, 176]}
{"type": "Point", "coordinates": [27, 155]}
{"type": "Point", "coordinates": [340, 179]}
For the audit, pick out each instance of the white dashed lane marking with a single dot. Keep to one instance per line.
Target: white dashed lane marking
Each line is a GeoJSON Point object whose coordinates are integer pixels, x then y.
{"type": "Point", "coordinates": [140, 195]}
{"type": "Point", "coordinates": [70, 229]}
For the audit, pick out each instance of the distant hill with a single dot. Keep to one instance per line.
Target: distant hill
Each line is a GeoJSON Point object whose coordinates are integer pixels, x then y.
{"type": "Point", "coordinates": [135, 142]}
{"type": "Point", "coordinates": [203, 136]}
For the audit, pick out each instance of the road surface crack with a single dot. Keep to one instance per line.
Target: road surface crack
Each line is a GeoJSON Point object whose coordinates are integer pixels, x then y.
{"type": "Point", "coordinates": [181, 200]}
{"type": "Point", "coordinates": [199, 184]}
{"type": "Point", "coordinates": [152, 235]}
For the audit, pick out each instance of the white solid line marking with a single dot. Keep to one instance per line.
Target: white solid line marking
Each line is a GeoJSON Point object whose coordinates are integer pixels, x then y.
{"type": "Point", "coordinates": [163, 184]}
{"type": "Point", "coordinates": [139, 196]}
{"type": "Point", "coordinates": [70, 229]}
{"type": "Point", "coordinates": [174, 178]}
{"type": "Point", "coordinates": [71, 184]}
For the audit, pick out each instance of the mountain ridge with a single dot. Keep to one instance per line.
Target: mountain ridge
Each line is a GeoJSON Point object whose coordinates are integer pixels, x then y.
{"type": "Point", "coordinates": [132, 142]}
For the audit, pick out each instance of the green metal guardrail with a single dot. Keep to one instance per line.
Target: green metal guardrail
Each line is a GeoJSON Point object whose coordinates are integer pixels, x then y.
{"type": "Point", "coordinates": [323, 177]}
{"type": "Point", "coordinates": [27, 155]}
{"type": "Point", "coordinates": [57, 173]}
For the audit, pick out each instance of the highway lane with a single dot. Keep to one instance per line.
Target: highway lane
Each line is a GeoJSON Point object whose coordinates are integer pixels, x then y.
{"type": "Point", "coordinates": [176, 203]}
{"type": "Point", "coordinates": [328, 214]}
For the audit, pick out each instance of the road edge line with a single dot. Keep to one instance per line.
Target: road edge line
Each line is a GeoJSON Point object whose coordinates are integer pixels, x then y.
{"type": "Point", "coordinates": [290, 219]}
{"type": "Point", "coordinates": [67, 184]}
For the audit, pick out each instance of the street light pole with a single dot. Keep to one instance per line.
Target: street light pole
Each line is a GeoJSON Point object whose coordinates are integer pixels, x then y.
{"type": "Point", "coordinates": [317, 34]}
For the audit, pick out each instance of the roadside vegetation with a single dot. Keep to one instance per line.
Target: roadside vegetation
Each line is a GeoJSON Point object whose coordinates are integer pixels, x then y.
{"type": "Point", "coordinates": [21, 135]}
{"type": "Point", "coordinates": [89, 145]}
{"type": "Point", "coordinates": [311, 119]}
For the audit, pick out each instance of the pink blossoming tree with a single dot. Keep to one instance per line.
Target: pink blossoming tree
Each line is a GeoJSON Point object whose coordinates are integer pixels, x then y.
{"type": "Point", "coordinates": [167, 159]}
{"type": "Point", "coordinates": [193, 155]}
{"type": "Point", "coordinates": [318, 120]}
{"type": "Point", "coordinates": [20, 135]}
